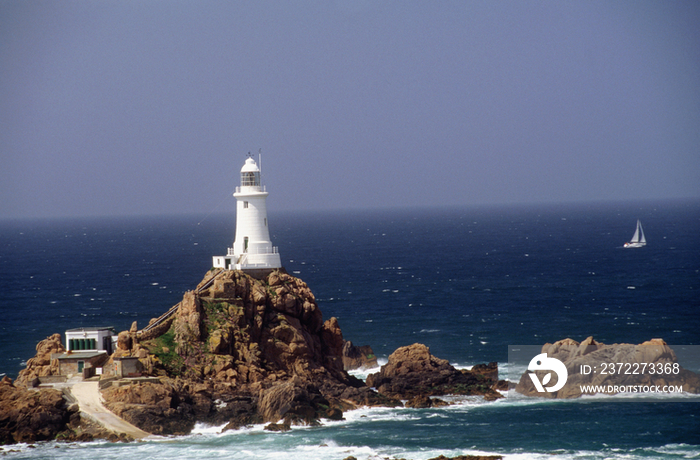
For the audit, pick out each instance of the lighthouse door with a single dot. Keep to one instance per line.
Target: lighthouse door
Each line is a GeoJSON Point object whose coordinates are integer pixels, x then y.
{"type": "Point", "coordinates": [245, 244]}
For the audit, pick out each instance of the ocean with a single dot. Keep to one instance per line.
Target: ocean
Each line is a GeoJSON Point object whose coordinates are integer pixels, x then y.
{"type": "Point", "coordinates": [467, 282]}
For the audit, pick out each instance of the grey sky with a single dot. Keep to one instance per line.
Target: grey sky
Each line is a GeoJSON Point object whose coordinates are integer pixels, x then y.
{"type": "Point", "coordinates": [141, 107]}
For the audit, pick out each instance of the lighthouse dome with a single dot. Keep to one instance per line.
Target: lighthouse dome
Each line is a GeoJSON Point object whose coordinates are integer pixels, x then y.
{"type": "Point", "coordinates": [250, 166]}
{"type": "Point", "coordinates": [250, 174]}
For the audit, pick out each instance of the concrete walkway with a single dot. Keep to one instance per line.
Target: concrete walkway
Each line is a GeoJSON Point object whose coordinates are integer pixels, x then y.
{"type": "Point", "coordinates": [89, 399]}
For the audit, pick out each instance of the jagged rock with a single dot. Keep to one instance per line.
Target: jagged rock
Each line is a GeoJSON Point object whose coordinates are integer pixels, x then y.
{"type": "Point", "coordinates": [592, 354]}
{"type": "Point", "coordinates": [412, 371]}
{"type": "Point", "coordinates": [187, 324]}
{"type": "Point", "coordinates": [332, 338]}
{"type": "Point", "coordinates": [263, 349]}
{"type": "Point", "coordinates": [355, 357]}
{"type": "Point", "coordinates": [41, 365]}
{"type": "Point", "coordinates": [266, 326]}
{"type": "Point", "coordinates": [31, 415]}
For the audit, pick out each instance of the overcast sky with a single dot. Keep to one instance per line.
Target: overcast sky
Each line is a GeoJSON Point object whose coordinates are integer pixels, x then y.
{"type": "Point", "coordinates": [148, 107]}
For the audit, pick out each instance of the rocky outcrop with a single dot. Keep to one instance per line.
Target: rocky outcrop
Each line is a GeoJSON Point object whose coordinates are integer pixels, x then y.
{"type": "Point", "coordinates": [615, 368]}
{"type": "Point", "coordinates": [412, 371]}
{"type": "Point", "coordinates": [238, 351]}
{"type": "Point", "coordinates": [150, 406]}
{"type": "Point", "coordinates": [242, 330]}
{"type": "Point", "coordinates": [31, 415]}
{"type": "Point", "coordinates": [241, 350]}
{"type": "Point", "coordinates": [41, 365]}
{"type": "Point", "coordinates": [355, 357]}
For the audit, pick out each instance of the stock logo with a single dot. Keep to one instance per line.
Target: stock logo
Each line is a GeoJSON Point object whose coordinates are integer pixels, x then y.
{"type": "Point", "coordinates": [542, 363]}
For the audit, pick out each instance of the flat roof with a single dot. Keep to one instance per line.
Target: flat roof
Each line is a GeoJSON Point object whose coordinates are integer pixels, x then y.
{"type": "Point", "coordinates": [80, 355]}
{"type": "Point", "coordinates": [91, 329]}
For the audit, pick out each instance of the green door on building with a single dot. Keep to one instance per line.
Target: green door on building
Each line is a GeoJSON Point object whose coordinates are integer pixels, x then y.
{"type": "Point", "coordinates": [81, 365]}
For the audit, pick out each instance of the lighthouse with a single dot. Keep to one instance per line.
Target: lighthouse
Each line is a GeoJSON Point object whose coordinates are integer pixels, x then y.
{"type": "Point", "coordinates": [252, 249]}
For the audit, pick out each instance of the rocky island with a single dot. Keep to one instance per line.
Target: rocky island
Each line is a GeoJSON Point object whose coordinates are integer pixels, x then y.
{"type": "Point", "coordinates": [238, 350]}
{"type": "Point", "coordinates": [612, 369]}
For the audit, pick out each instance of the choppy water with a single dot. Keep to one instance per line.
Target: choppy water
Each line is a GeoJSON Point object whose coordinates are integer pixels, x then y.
{"type": "Point", "coordinates": [466, 282]}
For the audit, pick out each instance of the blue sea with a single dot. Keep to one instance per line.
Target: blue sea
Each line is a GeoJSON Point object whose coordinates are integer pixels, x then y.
{"type": "Point", "coordinates": [467, 282]}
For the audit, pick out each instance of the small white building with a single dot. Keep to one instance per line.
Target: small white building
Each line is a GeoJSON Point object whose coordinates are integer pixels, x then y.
{"type": "Point", "coordinates": [252, 248]}
{"type": "Point", "coordinates": [91, 339]}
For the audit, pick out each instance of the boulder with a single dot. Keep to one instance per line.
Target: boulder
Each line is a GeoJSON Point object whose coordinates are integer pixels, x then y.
{"type": "Point", "coordinates": [412, 371]}
{"type": "Point", "coordinates": [279, 400]}
{"type": "Point", "coordinates": [296, 402]}
{"type": "Point", "coordinates": [124, 342]}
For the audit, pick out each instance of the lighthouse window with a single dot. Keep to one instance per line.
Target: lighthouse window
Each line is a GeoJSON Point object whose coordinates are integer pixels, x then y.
{"type": "Point", "coordinates": [250, 179]}
{"type": "Point", "coordinates": [245, 204]}
{"type": "Point", "coordinates": [266, 222]}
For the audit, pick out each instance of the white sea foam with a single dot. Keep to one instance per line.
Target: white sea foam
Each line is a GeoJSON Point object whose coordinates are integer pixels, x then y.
{"type": "Point", "coordinates": [276, 446]}
{"type": "Point", "coordinates": [331, 449]}
{"type": "Point", "coordinates": [666, 451]}
{"type": "Point", "coordinates": [206, 429]}
{"type": "Point", "coordinates": [326, 442]}
{"type": "Point", "coordinates": [365, 371]}
{"type": "Point", "coordinates": [375, 414]}
{"type": "Point", "coordinates": [461, 366]}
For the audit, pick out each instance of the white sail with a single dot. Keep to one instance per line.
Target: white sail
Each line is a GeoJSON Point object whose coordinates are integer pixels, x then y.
{"type": "Point", "coordinates": [635, 237]}
{"type": "Point", "coordinates": [638, 240]}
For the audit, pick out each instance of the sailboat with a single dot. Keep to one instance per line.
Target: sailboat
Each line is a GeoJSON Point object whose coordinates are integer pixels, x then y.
{"type": "Point", "coordinates": [638, 239]}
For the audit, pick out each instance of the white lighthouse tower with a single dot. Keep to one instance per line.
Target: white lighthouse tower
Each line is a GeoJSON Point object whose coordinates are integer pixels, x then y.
{"type": "Point", "coordinates": [252, 249]}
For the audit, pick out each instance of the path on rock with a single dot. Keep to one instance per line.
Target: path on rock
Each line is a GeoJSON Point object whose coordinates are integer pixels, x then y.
{"type": "Point", "coordinates": [87, 394]}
